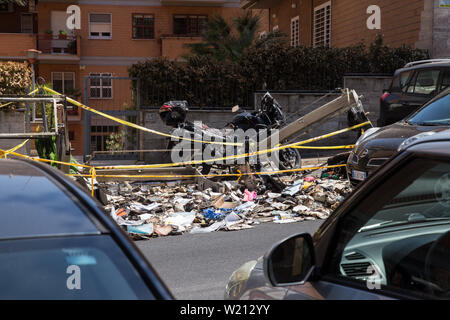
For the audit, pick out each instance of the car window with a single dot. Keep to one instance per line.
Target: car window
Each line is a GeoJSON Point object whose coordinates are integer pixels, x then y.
{"type": "Point", "coordinates": [403, 79]}
{"type": "Point", "coordinates": [425, 82]}
{"type": "Point", "coordinates": [434, 113]}
{"type": "Point", "coordinates": [445, 83]}
{"type": "Point", "coordinates": [398, 237]}
{"type": "Point", "coordinates": [90, 267]}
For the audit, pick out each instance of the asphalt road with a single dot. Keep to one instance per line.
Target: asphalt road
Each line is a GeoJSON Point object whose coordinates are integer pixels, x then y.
{"type": "Point", "coordinates": [197, 266]}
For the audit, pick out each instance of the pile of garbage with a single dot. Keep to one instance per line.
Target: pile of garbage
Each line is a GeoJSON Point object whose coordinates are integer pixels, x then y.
{"type": "Point", "coordinates": [153, 209]}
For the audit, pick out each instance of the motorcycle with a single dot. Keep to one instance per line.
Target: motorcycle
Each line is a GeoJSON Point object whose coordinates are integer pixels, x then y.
{"type": "Point", "coordinates": [269, 116]}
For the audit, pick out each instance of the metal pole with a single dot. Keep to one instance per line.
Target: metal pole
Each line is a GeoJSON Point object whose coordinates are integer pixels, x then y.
{"type": "Point", "coordinates": [87, 122]}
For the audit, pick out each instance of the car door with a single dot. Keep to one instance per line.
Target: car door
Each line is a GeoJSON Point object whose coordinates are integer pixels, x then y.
{"type": "Point", "coordinates": [421, 88]}
{"type": "Point", "coordinates": [394, 243]}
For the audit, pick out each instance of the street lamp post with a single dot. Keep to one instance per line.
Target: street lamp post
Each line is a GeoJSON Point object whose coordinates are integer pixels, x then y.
{"type": "Point", "coordinates": [32, 56]}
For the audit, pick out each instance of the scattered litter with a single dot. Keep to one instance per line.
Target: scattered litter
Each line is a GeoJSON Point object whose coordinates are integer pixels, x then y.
{"type": "Point", "coordinates": [145, 229]}
{"type": "Point", "coordinates": [249, 196]}
{"type": "Point", "coordinates": [145, 210]}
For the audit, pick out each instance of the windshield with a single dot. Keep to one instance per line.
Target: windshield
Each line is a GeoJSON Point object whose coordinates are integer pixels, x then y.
{"type": "Point", "coordinates": [436, 113]}
{"type": "Point", "coordinates": [89, 267]}
{"type": "Point", "coordinates": [425, 199]}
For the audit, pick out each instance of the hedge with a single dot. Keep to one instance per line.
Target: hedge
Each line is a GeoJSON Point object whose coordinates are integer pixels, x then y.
{"type": "Point", "coordinates": [203, 81]}
{"type": "Point", "coordinates": [15, 77]}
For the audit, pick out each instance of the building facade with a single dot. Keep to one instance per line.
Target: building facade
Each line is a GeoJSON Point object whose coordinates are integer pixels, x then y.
{"type": "Point", "coordinates": [113, 35]}
{"type": "Point", "coordinates": [423, 24]}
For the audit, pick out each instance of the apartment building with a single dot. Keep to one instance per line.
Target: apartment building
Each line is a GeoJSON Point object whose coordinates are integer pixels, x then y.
{"type": "Point", "coordinates": [421, 24]}
{"type": "Point", "coordinates": [113, 35]}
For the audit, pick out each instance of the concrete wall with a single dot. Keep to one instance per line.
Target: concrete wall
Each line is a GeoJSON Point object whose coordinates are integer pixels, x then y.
{"type": "Point", "coordinates": [295, 105]}
{"type": "Point", "coordinates": [12, 122]}
{"type": "Point", "coordinates": [441, 31]}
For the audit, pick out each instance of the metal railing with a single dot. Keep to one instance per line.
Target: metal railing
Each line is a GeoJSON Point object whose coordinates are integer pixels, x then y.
{"type": "Point", "coordinates": [50, 44]}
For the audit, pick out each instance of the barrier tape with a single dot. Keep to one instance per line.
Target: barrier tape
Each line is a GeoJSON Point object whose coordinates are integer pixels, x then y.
{"type": "Point", "coordinates": [176, 164]}
{"type": "Point", "coordinates": [8, 103]}
{"type": "Point", "coordinates": [133, 125]}
{"type": "Point", "coordinates": [45, 160]}
{"type": "Point", "coordinates": [5, 152]}
{"type": "Point", "coordinates": [239, 174]}
{"type": "Point", "coordinates": [93, 173]}
{"type": "Point", "coordinates": [350, 146]}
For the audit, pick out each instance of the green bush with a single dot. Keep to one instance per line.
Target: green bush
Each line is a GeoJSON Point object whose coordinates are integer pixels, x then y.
{"type": "Point", "coordinates": [204, 82]}
{"type": "Point", "coordinates": [15, 78]}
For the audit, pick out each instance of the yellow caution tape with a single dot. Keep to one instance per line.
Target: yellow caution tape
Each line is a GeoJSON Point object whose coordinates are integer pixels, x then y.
{"type": "Point", "coordinates": [44, 160]}
{"type": "Point", "coordinates": [133, 125]}
{"type": "Point", "coordinates": [4, 153]}
{"type": "Point", "coordinates": [176, 164]}
{"type": "Point", "coordinates": [240, 174]}
{"type": "Point", "coordinates": [8, 103]}
{"type": "Point", "coordinates": [350, 146]}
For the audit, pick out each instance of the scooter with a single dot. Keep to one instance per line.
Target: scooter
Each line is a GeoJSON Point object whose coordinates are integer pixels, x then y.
{"type": "Point", "coordinates": [269, 116]}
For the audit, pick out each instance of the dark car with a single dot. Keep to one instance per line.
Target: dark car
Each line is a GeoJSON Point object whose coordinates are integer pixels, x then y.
{"type": "Point", "coordinates": [377, 145]}
{"type": "Point", "coordinates": [389, 239]}
{"type": "Point", "coordinates": [412, 86]}
{"type": "Point", "coordinates": [57, 243]}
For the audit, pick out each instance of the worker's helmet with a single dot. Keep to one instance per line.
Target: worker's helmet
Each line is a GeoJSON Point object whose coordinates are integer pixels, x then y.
{"type": "Point", "coordinates": [173, 113]}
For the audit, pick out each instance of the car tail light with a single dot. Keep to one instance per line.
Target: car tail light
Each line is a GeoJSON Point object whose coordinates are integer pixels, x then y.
{"type": "Point", "coordinates": [384, 96]}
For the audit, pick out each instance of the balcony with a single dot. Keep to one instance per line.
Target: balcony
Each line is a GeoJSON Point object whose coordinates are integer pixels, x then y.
{"type": "Point", "coordinates": [258, 4]}
{"type": "Point", "coordinates": [59, 48]}
{"type": "Point", "coordinates": [195, 2]}
{"type": "Point", "coordinates": [14, 45]}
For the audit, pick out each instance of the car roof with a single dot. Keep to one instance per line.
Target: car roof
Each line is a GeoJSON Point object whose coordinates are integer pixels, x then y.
{"type": "Point", "coordinates": [34, 203]}
{"type": "Point", "coordinates": [424, 65]}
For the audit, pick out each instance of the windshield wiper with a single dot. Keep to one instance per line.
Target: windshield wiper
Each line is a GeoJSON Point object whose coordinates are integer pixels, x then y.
{"type": "Point", "coordinates": [425, 124]}
{"type": "Point", "coordinates": [387, 224]}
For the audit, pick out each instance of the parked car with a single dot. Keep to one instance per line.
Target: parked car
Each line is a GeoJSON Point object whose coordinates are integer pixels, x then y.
{"type": "Point", "coordinates": [377, 145]}
{"type": "Point", "coordinates": [57, 243]}
{"type": "Point", "coordinates": [389, 239]}
{"type": "Point", "coordinates": [412, 86]}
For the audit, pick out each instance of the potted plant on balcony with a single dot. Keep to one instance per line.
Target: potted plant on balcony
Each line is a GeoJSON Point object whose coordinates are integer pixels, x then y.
{"type": "Point", "coordinates": [72, 47]}
{"type": "Point", "coordinates": [48, 34]}
{"type": "Point", "coordinates": [62, 34]}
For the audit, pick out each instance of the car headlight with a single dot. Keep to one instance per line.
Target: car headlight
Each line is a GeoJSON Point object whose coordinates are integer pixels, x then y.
{"type": "Point", "coordinates": [238, 279]}
{"type": "Point", "coordinates": [366, 134]}
{"type": "Point", "coordinates": [413, 139]}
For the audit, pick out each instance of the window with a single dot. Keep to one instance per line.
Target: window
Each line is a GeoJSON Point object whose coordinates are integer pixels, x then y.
{"type": "Point", "coordinates": [435, 113]}
{"type": "Point", "coordinates": [100, 25]}
{"type": "Point", "coordinates": [63, 82]}
{"type": "Point", "coordinates": [26, 22]}
{"type": "Point", "coordinates": [295, 32]}
{"type": "Point", "coordinates": [425, 82]}
{"type": "Point", "coordinates": [189, 24]}
{"type": "Point", "coordinates": [398, 237]}
{"type": "Point", "coordinates": [322, 25]}
{"type": "Point", "coordinates": [400, 81]}
{"type": "Point", "coordinates": [445, 83]}
{"type": "Point", "coordinates": [39, 269]}
{"type": "Point", "coordinates": [100, 135]}
{"type": "Point", "coordinates": [143, 26]}
{"type": "Point", "coordinates": [100, 85]}
{"type": "Point", "coordinates": [6, 7]}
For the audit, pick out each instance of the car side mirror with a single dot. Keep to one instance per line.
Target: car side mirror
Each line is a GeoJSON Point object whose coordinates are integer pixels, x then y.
{"type": "Point", "coordinates": [291, 261]}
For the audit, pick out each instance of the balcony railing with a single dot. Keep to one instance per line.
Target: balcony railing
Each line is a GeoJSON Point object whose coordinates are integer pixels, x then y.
{"type": "Point", "coordinates": [50, 44]}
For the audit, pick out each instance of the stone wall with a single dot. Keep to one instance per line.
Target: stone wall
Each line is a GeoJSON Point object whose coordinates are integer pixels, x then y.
{"type": "Point", "coordinates": [12, 122]}
{"type": "Point", "coordinates": [295, 105]}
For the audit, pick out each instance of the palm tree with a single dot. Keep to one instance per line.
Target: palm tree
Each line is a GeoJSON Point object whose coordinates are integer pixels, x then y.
{"type": "Point", "coordinates": [18, 2]}
{"type": "Point", "coordinates": [227, 42]}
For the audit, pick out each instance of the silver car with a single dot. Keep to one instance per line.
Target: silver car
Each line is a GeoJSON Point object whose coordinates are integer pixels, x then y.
{"type": "Point", "coordinates": [389, 239]}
